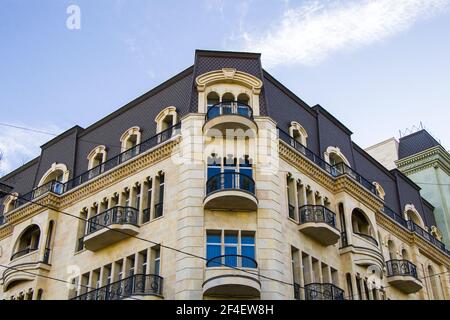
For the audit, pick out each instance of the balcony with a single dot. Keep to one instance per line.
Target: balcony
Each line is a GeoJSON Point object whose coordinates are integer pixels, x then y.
{"type": "Point", "coordinates": [111, 226]}
{"type": "Point", "coordinates": [25, 265]}
{"type": "Point", "coordinates": [229, 115]}
{"type": "Point", "coordinates": [134, 287]}
{"type": "Point", "coordinates": [319, 223]}
{"type": "Point", "coordinates": [343, 169]}
{"type": "Point", "coordinates": [335, 171]}
{"type": "Point", "coordinates": [413, 227]}
{"type": "Point", "coordinates": [402, 274]}
{"type": "Point", "coordinates": [231, 191]}
{"type": "Point", "coordinates": [52, 186]}
{"type": "Point", "coordinates": [61, 188]}
{"type": "Point", "coordinates": [223, 279]}
{"type": "Point", "coordinates": [364, 248]}
{"type": "Point", "coordinates": [323, 291]}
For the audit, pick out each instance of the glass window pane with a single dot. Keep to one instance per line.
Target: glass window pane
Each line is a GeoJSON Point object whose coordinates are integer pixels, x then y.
{"type": "Point", "coordinates": [212, 171]}
{"type": "Point", "coordinates": [213, 238]}
{"type": "Point", "coordinates": [231, 238]}
{"type": "Point", "coordinates": [231, 256]}
{"type": "Point", "coordinates": [248, 251]}
{"type": "Point", "coordinates": [213, 251]}
{"type": "Point", "coordinates": [248, 239]}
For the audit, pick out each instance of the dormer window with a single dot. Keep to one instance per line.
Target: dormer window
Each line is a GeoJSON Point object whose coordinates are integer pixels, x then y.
{"type": "Point", "coordinates": [130, 138]}
{"type": "Point", "coordinates": [96, 157]}
{"type": "Point", "coordinates": [334, 157]}
{"type": "Point", "coordinates": [166, 119]}
{"type": "Point", "coordinates": [298, 133]}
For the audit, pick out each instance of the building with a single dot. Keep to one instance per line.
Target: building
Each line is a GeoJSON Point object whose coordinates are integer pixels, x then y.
{"type": "Point", "coordinates": [426, 162]}
{"type": "Point", "coordinates": [218, 183]}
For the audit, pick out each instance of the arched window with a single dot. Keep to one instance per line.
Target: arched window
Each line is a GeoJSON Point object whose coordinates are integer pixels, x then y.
{"type": "Point", "coordinates": [298, 133]}
{"type": "Point", "coordinates": [361, 224]}
{"type": "Point", "coordinates": [96, 157]}
{"type": "Point", "coordinates": [392, 250]}
{"type": "Point", "coordinates": [228, 97]}
{"type": "Point", "coordinates": [212, 99]}
{"type": "Point", "coordinates": [243, 98]}
{"type": "Point", "coordinates": [10, 202]}
{"type": "Point", "coordinates": [130, 138]}
{"type": "Point", "coordinates": [166, 118]}
{"type": "Point", "coordinates": [334, 156]}
{"type": "Point", "coordinates": [411, 214]}
{"type": "Point", "coordinates": [57, 172]}
{"type": "Point", "coordinates": [435, 284]}
{"type": "Point", "coordinates": [27, 242]}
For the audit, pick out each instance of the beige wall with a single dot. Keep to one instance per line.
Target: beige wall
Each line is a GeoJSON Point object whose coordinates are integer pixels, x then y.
{"type": "Point", "coordinates": [185, 223]}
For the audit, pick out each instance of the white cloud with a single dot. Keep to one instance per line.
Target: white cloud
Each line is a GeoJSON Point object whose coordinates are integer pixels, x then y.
{"type": "Point", "coordinates": [309, 33]}
{"type": "Point", "coordinates": [20, 146]}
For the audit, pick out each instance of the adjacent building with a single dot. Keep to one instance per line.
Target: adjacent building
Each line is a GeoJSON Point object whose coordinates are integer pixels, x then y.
{"type": "Point", "coordinates": [218, 183]}
{"type": "Point", "coordinates": [426, 162]}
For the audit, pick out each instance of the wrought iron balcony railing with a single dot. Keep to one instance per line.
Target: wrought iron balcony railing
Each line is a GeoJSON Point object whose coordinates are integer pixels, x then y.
{"type": "Point", "coordinates": [55, 187]}
{"type": "Point", "coordinates": [229, 108]}
{"type": "Point", "coordinates": [425, 235]}
{"type": "Point", "coordinates": [232, 260]}
{"type": "Point", "coordinates": [323, 291]}
{"type": "Point", "coordinates": [60, 188]}
{"type": "Point", "coordinates": [123, 157]}
{"type": "Point", "coordinates": [341, 169]}
{"type": "Point", "coordinates": [413, 227]}
{"type": "Point", "coordinates": [230, 181]}
{"type": "Point", "coordinates": [23, 252]}
{"type": "Point", "coordinates": [335, 171]}
{"type": "Point", "coordinates": [311, 213]}
{"type": "Point", "coordinates": [115, 215]}
{"type": "Point", "coordinates": [401, 268]}
{"type": "Point", "coordinates": [135, 285]}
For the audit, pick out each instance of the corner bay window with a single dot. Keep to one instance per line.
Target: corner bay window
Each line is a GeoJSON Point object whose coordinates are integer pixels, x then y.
{"type": "Point", "coordinates": [230, 248]}
{"type": "Point", "coordinates": [230, 174]}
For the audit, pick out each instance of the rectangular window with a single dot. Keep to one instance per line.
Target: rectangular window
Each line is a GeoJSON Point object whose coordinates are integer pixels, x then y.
{"type": "Point", "coordinates": [137, 200]}
{"type": "Point", "coordinates": [246, 175]}
{"type": "Point", "coordinates": [248, 250]}
{"type": "Point", "coordinates": [126, 198]}
{"type": "Point", "coordinates": [160, 196]}
{"type": "Point", "coordinates": [231, 248]}
{"type": "Point", "coordinates": [147, 212]}
{"type": "Point", "coordinates": [213, 248]}
{"type": "Point", "coordinates": [229, 177]}
{"type": "Point", "coordinates": [132, 265]}
{"type": "Point", "coordinates": [157, 260]}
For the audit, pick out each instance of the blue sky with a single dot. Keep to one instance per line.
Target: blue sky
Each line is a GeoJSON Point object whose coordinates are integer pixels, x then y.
{"type": "Point", "coordinates": [378, 65]}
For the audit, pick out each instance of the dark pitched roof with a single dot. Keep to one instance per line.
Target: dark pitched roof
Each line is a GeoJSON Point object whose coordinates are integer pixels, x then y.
{"type": "Point", "coordinates": [415, 143]}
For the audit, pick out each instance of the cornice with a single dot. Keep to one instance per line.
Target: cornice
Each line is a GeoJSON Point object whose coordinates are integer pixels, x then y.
{"type": "Point", "coordinates": [306, 167]}
{"type": "Point", "coordinates": [342, 183]}
{"type": "Point", "coordinates": [104, 181]}
{"type": "Point", "coordinates": [438, 152]}
{"type": "Point", "coordinates": [411, 238]}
